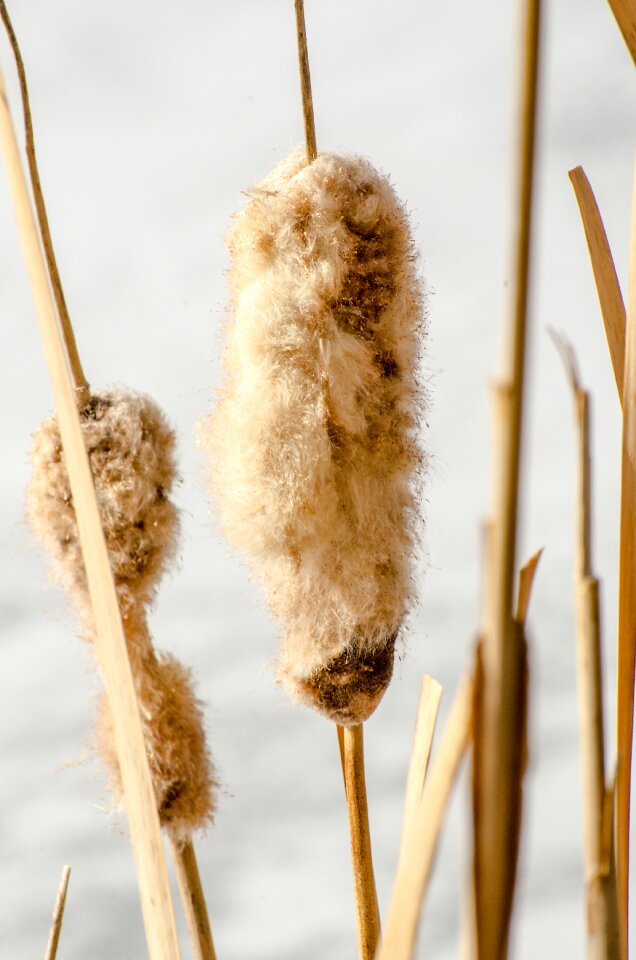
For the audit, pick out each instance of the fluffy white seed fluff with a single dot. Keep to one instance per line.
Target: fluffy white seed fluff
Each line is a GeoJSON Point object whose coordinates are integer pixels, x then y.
{"type": "Point", "coordinates": [313, 439]}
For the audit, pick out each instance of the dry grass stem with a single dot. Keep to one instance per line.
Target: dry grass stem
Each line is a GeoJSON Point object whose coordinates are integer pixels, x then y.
{"type": "Point", "coordinates": [367, 914]}
{"type": "Point", "coordinates": [607, 285]}
{"type": "Point", "coordinates": [305, 82]}
{"type": "Point", "coordinates": [501, 690]}
{"type": "Point", "coordinates": [138, 789]}
{"type": "Point", "coordinates": [81, 383]}
{"type": "Point", "coordinates": [627, 593]}
{"type": "Point", "coordinates": [428, 707]}
{"type": "Point", "coordinates": [193, 899]}
{"type": "Point", "coordinates": [398, 941]}
{"type": "Point", "coordinates": [499, 759]}
{"type": "Point", "coordinates": [603, 941]}
{"type": "Point", "coordinates": [625, 13]}
{"type": "Point", "coordinates": [58, 915]}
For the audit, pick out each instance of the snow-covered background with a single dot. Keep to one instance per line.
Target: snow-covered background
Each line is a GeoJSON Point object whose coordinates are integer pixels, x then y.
{"type": "Point", "coordinates": [150, 120]}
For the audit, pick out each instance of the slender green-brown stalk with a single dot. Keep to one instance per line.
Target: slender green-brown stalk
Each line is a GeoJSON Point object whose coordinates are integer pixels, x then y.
{"type": "Point", "coordinates": [81, 383]}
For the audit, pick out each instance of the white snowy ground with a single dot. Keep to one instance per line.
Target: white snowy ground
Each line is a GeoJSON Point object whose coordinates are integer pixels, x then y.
{"type": "Point", "coordinates": [150, 121]}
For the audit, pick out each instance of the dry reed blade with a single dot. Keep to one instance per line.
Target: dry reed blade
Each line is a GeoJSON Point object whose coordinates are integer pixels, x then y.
{"type": "Point", "coordinates": [367, 914]}
{"type": "Point", "coordinates": [603, 941]}
{"type": "Point", "coordinates": [606, 279]}
{"type": "Point", "coordinates": [305, 82]}
{"type": "Point", "coordinates": [501, 692]}
{"type": "Point", "coordinates": [428, 708]}
{"type": "Point", "coordinates": [152, 874]}
{"type": "Point", "coordinates": [81, 383]}
{"type": "Point", "coordinates": [409, 888]}
{"type": "Point", "coordinates": [625, 13]}
{"type": "Point", "coordinates": [58, 915]}
{"type": "Point", "coordinates": [526, 582]}
{"type": "Point", "coordinates": [193, 899]}
{"type": "Point", "coordinates": [627, 593]}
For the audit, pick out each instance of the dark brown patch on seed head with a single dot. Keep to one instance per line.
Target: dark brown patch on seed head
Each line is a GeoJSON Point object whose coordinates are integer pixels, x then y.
{"type": "Point", "coordinates": [350, 686]}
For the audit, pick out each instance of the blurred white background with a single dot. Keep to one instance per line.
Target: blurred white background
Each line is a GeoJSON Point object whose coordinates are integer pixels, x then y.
{"type": "Point", "coordinates": [150, 120]}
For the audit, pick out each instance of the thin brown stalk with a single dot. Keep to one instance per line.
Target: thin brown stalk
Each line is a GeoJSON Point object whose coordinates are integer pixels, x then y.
{"type": "Point", "coordinates": [605, 276]}
{"type": "Point", "coordinates": [193, 899]}
{"type": "Point", "coordinates": [627, 593]}
{"type": "Point", "coordinates": [305, 82]}
{"type": "Point", "coordinates": [58, 915]}
{"type": "Point", "coordinates": [138, 789]}
{"type": "Point", "coordinates": [428, 707]}
{"type": "Point", "coordinates": [500, 744]}
{"type": "Point", "coordinates": [409, 888]}
{"type": "Point", "coordinates": [625, 13]}
{"type": "Point", "coordinates": [367, 914]}
{"type": "Point", "coordinates": [81, 383]}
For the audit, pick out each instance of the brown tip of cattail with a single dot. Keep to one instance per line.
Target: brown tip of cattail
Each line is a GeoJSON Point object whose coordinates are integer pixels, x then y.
{"type": "Point", "coordinates": [182, 770]}
{"type": "Point", "coordinates": [349, 687]}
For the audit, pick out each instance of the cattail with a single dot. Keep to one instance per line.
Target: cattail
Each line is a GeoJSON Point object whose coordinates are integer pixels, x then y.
{"type": "Point", "coordinates": [175, 741]}
{"type": "Point", "coordinates": [314, 454]}
{"type": "Point", "coordinates": [131, 452]}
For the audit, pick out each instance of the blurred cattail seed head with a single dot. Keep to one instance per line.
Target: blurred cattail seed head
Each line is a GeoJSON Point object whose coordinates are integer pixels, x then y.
{"type": "Point", "coordinates": [131, 452]}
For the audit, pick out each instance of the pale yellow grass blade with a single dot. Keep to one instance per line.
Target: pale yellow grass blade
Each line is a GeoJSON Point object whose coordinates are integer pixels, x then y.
{"type": "Point", "coordinates": [409, 888]}
{"type": "Point", "coordinates": [428, 707]}
{"type": "Point", "coordinates": [139, 794]}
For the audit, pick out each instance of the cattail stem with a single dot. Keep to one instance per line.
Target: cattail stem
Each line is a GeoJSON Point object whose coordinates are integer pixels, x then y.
{"type": "Point", "coordinates": [193, 899]}
{"type": "Point", "coordinates": [367, 913]}
{"type": "Point", "coordinates": [81, 383]}
{"type": "Point", "coordinates": [58, 916]}
{"type": "Point", "coordinates": [154, 887]}
{"type": "Point", "coordinates": [305, 82]}
{"type": "Point", "coordinates": [499, 739]}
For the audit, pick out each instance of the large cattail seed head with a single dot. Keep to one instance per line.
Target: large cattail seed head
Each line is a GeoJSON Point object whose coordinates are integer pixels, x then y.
{"type": "Point", "coordinates": [314, 456]}
{"type": "Point", "coordinates": [182, 771]}
{"type": "Point", "coordinates": [131, 453]}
